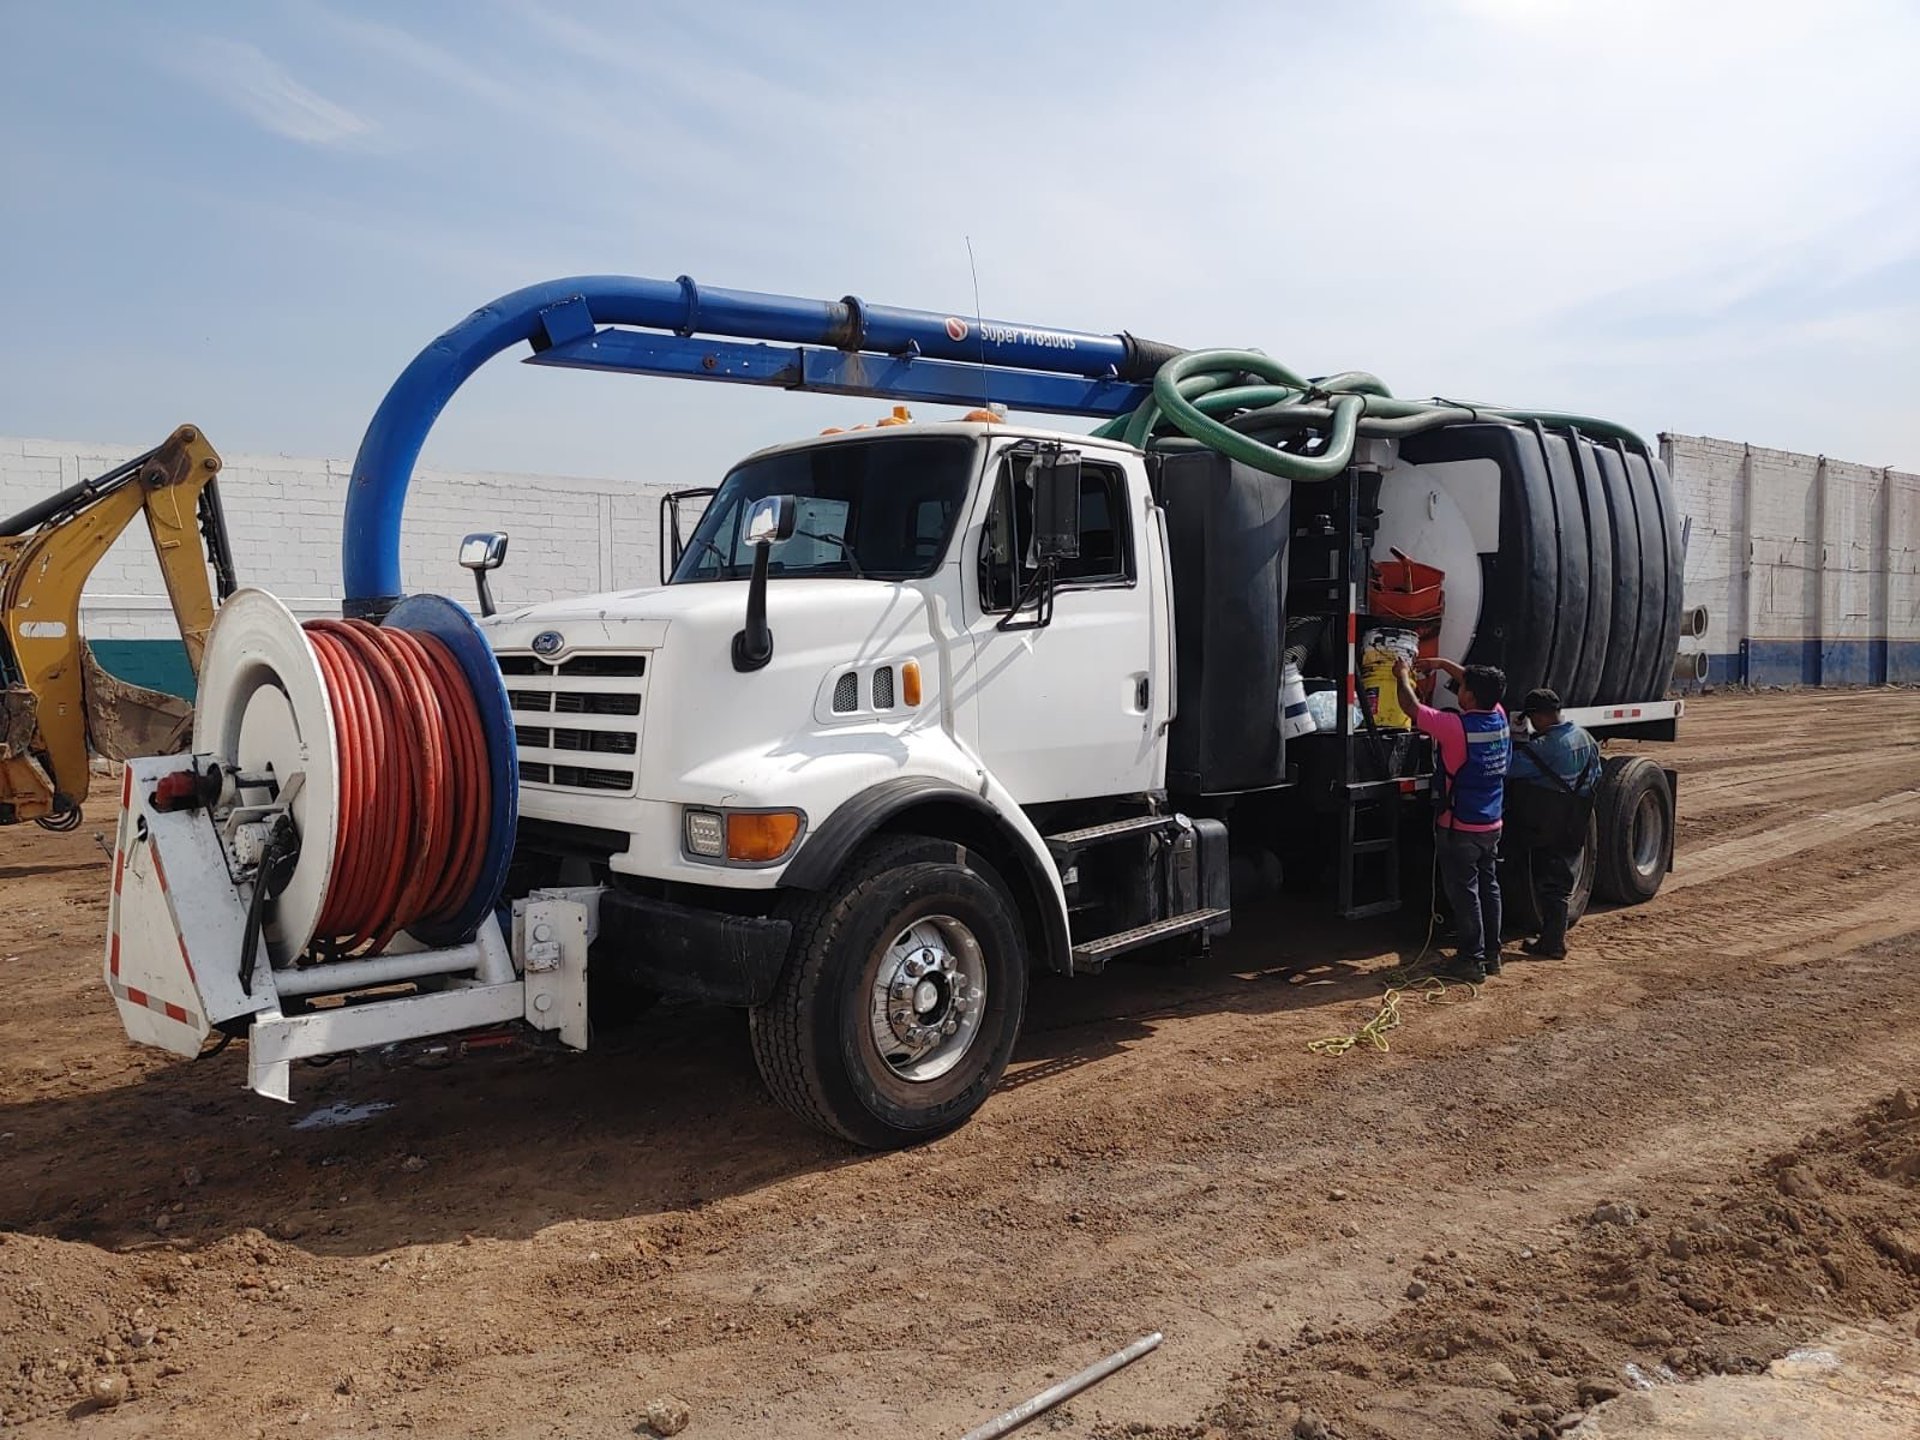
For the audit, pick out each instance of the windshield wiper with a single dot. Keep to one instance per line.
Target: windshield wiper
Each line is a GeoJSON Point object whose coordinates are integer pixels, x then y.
{"type": "Point", "coordinates": [714, 550]}
{"type": "Point", "coordinates": [853, 561]}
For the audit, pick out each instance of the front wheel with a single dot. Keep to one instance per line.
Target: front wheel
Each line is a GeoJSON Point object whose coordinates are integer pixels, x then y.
{"type": "Point", "coordinates": [901, 998]}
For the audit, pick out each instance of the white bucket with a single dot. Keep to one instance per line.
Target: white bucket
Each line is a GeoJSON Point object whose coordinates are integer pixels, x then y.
{"type": "Point", "coordinates": [1295, 718]}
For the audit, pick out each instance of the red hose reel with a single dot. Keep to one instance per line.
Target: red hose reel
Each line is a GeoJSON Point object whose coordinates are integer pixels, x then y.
{"type": "Point", "coordinates": [415, 788]}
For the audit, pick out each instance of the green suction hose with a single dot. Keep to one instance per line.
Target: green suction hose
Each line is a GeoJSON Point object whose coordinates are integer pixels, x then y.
{"type": "Point", "coordinates": [1253, 409]}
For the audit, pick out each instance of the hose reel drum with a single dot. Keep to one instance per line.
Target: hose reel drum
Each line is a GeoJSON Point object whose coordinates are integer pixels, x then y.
{"type": "Point", "coordinates": [338, 726]}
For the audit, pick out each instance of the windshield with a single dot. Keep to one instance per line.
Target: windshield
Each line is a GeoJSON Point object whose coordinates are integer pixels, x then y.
{"type": "Point", "coordinates": [877, 509]}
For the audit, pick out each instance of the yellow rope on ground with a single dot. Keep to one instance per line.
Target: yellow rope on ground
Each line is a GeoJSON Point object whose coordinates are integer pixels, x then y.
{"type": "Point", "coordinates": [1430, 988]}
{"type": "Point", "coordinates": [1409, 979]}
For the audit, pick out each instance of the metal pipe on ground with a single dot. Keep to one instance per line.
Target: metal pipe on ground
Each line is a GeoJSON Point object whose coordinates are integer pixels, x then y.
{"type": "Point", "coordinates": [1690, 667]}
{"type": "Point", "coordinates": [1068, 1388]}
{"type": "Point", "coordinates": [1693, 621]}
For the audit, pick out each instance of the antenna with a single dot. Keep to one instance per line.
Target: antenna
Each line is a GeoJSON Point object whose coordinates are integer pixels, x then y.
{"type": "Point", "coordinates": [986, 393]}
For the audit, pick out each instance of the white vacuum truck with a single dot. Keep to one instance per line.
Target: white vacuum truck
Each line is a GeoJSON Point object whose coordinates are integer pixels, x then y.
{"type": "Point", "coordinates": [918, 709]}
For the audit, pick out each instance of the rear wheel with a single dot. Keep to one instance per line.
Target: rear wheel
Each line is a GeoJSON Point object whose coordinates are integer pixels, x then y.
{"type": "Point", "coordinates": [1582, 895]}
{"type": "Point", "coordinates": [1634, 815]}
{"type": "Point", "coordinates": [1522, 915]}
{"type": "Point", "coordinates": [901, 998]}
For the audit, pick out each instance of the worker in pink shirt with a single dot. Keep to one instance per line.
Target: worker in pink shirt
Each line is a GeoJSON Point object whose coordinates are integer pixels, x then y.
{"type": "Point", "coordinates": [1475, 747]}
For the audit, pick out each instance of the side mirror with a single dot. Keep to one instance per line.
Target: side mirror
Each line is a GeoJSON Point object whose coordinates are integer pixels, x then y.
{"type": "Point", "coordinates": [1056, 506]}
{"type": "Point", "coordinates": [480, 552]}
{"type": "Point", "coordinates": [771, 519]}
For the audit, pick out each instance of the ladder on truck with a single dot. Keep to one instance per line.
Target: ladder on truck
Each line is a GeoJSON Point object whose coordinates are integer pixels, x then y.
{"type": "Point", "coordinates": [1367, 811]}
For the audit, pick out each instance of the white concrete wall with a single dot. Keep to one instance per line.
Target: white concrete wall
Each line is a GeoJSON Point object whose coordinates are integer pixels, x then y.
{"type": "Point", "coordinates": [570, 536]}
{"type": "Point", "coordinates": [1809, 566]}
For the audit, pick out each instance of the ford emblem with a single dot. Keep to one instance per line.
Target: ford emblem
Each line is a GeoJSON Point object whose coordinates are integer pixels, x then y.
{"type": "Point", "coordinates": [547, 642]}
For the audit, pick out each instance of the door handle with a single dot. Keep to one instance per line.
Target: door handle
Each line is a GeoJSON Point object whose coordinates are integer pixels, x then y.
{"type": "Point", "coordinates": [1142, 693]}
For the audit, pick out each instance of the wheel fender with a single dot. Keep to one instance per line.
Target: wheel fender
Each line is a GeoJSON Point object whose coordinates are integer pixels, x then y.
{"type": "Point", "coordinates": [834, 840]}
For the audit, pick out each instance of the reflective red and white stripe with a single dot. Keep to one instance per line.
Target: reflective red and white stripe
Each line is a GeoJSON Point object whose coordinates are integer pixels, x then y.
{"type": "Point", "coordinates": [153, 1003]}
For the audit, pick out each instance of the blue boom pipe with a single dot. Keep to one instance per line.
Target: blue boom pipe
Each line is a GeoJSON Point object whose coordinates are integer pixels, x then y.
{"type": "Point", "coordinates": [565, 312]}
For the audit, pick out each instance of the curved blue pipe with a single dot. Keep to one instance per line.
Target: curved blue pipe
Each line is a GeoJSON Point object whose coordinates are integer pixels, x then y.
{"type": "Point", "coordinates": [562, 309]}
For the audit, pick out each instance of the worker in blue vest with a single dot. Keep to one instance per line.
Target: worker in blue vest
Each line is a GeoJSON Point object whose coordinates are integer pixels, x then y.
{"type": "Point", "coordinates": [1556, 769]}
{"type": "Point", "coordinates": [1475, 747]}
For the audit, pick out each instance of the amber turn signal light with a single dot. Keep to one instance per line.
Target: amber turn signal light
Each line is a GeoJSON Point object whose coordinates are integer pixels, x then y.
{"type": "Point", "coordinates": [758, 838]}
{"type": "Point", "coordinates": [910, 682]}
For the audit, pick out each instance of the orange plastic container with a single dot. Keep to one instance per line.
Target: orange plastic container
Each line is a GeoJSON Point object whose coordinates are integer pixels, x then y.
{"type": "Point", "coordinates": [1404, 589]}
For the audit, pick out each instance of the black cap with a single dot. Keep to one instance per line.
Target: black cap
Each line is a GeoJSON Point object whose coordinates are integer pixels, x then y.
{"type": "Point", "coordinates": [1541, 702]}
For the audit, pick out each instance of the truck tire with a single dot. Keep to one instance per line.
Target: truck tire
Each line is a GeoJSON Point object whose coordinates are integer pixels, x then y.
{"type": "Point", "coordinates": [1600, 584]}
{"type": "Point", "coordinates": [1521, 916]}
{"type": "Point", "coordinates": [1621, 669]}
{"type": "Point", "coordinates": [901, 998]}
{"type": "Point", "coordinates": [1582, 895]}
{"type": "Point", "coordinates": [1634, 813]}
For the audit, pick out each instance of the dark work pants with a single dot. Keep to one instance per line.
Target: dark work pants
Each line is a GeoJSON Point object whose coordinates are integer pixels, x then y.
{"type": "Point", "coordinates": [1554, 872]}
{"type": "Point", "coordinates": [1470, 871]}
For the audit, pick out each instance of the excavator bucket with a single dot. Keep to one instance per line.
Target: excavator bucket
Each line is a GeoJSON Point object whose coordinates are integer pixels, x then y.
{"type": "Point", "coordinates": [25, 789]}
{"type": "Point", "coordinates": [125, 720]}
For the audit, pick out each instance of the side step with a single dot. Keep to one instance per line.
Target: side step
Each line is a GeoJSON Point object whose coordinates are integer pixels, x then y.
{"type": "Point", "coordinates": [1369, 857]}
{"type": "Point", "coordinates": [1093, 954]}
{"type": "Point", "coordinates": [1070, 842]}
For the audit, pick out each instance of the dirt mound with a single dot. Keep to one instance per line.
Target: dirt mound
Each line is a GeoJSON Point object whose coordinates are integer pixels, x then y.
{"type": "Point", "coordinates": [71, 1314]}
{"type": "Point", "coordinates": [1519, 1344]}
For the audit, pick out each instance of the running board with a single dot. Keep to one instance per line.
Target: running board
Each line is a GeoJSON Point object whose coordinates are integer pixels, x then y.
{"type": "Point", "coordinates": [1095, 953]}
{"type": "Point", "coordinates": [1070, 842]}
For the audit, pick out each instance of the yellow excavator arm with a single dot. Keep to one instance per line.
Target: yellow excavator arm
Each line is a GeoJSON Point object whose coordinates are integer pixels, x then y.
{"type": "Point", "coordinates": [53, 696]}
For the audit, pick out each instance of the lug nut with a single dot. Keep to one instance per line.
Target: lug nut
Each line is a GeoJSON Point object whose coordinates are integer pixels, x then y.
{"type": "Point", "coordinates": [953, 1024]}
{"type": "Point", "coordinates": [914, 968]}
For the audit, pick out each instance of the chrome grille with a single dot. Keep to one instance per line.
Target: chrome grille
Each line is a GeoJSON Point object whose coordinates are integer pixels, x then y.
{"type": "Point", "coordinates": [599, 694]}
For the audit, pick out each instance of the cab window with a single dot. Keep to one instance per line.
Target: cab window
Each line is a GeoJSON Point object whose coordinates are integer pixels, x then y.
{"type": "Point", "coordinates": [1106, 551]}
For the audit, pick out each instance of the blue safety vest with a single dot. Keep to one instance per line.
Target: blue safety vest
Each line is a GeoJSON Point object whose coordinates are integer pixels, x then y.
{"type": "Point", "coordinates": [1474, 793]}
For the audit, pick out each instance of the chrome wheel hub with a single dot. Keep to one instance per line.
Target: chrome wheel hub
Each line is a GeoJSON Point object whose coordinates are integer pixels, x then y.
{"type": "Point", "coordinates": [928, 998]}
{"type": "Point", "coordinates": [1645, 841]}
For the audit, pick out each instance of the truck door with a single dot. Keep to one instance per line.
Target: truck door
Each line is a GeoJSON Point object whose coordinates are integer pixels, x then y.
{"type": "Point", "coordinates": [1073, 707]}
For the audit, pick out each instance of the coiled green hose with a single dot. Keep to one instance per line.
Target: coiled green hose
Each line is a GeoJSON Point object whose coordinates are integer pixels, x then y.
{"type": "Point", "coordinates": [1253, 409]}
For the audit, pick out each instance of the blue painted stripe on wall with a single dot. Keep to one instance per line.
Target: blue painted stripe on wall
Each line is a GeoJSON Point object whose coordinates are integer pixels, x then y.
{"type": "Point", "coordinates": [1832, 661]}
{"type": "Point", "coordinates": [157, 664]}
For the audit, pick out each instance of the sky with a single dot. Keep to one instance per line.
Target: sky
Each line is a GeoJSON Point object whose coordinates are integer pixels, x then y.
{"type": "Point", "coordinates": [1685, 216]}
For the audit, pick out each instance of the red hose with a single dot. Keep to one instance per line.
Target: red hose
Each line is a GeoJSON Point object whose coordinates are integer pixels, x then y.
{"type": "Point", "coordinates": [415, 791]}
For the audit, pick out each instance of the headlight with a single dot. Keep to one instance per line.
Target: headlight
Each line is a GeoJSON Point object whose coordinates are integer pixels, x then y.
{"type": "Point", "coordinates": [706, 834]}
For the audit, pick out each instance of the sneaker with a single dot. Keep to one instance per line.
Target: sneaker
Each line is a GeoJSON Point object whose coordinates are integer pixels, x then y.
{"type": "Point", "coordinates": [1491, 964]}
{"type": "Point", "coordinates": [1540, 952]}
{"type": "Point", "coordinates": [1463, 967]}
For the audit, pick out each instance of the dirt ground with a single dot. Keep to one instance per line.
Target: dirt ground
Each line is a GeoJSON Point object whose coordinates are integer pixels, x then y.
{"type": "Point", "coordinates": [1684, 1152]}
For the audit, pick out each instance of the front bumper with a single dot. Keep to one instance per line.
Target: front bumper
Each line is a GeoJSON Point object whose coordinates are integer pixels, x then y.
{"type": "Point", "coordinates": [682, 950]}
